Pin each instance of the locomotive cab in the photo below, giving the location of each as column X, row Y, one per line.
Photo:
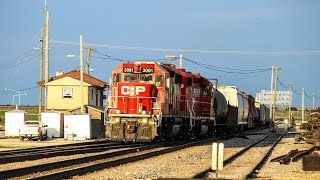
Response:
column 133, row 109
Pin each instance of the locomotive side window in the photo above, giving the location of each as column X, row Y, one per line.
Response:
column 130, row 77
column 205, row 90
column 159, row 80
column 116, row 77
column 146, row 77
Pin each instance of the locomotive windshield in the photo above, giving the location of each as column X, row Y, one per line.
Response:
column 146, row 77
column 130, row 77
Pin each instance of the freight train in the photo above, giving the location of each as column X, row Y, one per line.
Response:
column 152, row 101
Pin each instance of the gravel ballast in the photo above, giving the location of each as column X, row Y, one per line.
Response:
column 190, row 161
column 181, row 164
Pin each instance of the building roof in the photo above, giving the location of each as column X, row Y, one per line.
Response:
column 75, row 74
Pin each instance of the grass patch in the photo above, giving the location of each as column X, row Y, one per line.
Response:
column 2, row 117
column 32, row 114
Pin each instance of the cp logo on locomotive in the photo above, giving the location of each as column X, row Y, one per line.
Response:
column 132, row 90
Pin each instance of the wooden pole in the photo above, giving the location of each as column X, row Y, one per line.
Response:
column 41, row 69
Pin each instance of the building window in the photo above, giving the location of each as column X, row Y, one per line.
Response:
column 92, row 94
column 66, row 92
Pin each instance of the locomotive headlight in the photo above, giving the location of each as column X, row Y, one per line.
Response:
column 117, row 120
column 144, row 120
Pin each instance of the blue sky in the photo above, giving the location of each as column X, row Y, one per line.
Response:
column 263, row 34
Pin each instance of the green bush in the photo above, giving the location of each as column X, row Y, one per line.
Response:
column 2, row 117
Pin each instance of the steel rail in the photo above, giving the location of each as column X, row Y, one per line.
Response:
column 16, row 151
column 61, row 152
column 59, row 164
column 90, row 168
column 263, row 160
column 204, row 173
column 78, row 171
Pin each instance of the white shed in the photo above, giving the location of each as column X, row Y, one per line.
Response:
column 79, row 125
column 13, row 121
column 54, row 121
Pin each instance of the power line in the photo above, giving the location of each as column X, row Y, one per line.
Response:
column 239, row 52
column 11, row 65
column 147, row 60
column 12, row 60
column 208, row 66
column 283, row 85
column 296, row 92
column 306, row 94
column 25, row 89
column 234, row 69
column 107, row 56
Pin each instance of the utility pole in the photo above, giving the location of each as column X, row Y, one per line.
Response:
column 81, row 72
column 180, row 61
column 41, row 69
column 275, row 81
column 302, row 108
column 88, row 60
column 271, row 97
column 171, row 58
column 290, row 101
column 313, row 100
column 47, row 56
column 47, row 47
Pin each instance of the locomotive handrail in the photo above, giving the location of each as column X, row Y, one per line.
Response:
column 112, row 99
column 142, row 97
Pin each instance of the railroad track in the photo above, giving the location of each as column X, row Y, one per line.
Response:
column 242, row 164
column 72, row 167
column 48, row 147
column 26, row 154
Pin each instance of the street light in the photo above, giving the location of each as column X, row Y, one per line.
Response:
column 19, row 94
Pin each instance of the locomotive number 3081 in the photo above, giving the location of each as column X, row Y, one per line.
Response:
column 147, row 70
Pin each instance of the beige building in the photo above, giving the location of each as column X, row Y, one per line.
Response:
column 63, row 92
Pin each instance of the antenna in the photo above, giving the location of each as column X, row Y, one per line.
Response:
column 171, row 58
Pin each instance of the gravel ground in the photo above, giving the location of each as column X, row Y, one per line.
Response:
column 242, row 165
column 44, row 161
column 181, row 164
column 293, row 170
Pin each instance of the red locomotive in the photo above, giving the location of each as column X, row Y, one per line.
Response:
column 151, row 100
